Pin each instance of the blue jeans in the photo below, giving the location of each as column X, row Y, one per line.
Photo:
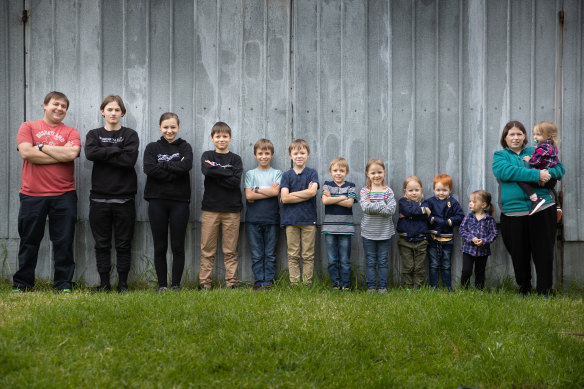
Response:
column 377, row 262
column 439, row 256
column 32, row 216
column 263, row 241
column 338, row 249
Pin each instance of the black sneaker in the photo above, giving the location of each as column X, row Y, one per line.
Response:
column 162, row 289
column 203, row 288
column 175, row 288
column 536, row 205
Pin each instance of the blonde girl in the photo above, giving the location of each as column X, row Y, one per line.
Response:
column 544, row 156
column 478, row 230
column 412, row 228
column 378, row 204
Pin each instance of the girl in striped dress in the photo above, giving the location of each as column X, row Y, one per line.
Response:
column 378, row 204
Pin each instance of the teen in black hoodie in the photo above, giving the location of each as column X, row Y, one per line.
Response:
column 114, row 151
column 167, row 163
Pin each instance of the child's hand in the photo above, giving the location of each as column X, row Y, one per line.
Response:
column 477, row 241
column 275, row 185
column 400, row 216
column 209, row 162
column 326, row 193
column 312, row 183
column 427, row 211
column 526, row 158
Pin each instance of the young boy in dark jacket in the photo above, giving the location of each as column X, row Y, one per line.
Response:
column 445, row 213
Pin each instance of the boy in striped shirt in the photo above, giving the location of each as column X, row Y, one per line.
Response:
column 338, row 197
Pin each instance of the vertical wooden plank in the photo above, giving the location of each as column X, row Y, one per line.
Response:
column 229, row 88
column 277, row 104
column 473, row 146
column 546, row 32
column 497, row 98
column 253, row 104
column 136, row 82
column 573, row 122
column 428, row 157
column 306, row 75
column 12, row 110
column 332, row 99
column 39, row 57
column 374, row 138
column 355, row 100
column 181, row 101
column 520, row 62
column 402, row 89
column 89, row 85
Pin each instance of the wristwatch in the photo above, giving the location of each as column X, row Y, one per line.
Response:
column 256, row 189
column 40, row 146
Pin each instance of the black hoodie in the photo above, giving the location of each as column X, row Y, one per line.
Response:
column 167, row 166
column 114, row 154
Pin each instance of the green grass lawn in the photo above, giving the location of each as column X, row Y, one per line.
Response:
column 290, row 337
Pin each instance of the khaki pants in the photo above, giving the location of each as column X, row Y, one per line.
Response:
column 295, row 236
column 210, row 222
column 413, row 256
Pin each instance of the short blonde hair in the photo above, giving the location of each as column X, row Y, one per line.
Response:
column 549, row 130
column 342, row 162
column 414, row 179
column 298, row 144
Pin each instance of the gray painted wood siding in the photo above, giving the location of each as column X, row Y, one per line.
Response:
column 426, row 86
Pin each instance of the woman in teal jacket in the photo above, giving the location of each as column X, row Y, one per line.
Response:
column 524, row 236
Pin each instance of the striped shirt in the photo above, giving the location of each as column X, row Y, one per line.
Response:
column 338, row 220
column 377, row 223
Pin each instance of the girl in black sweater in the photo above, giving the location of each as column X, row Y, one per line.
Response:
column 167, row 163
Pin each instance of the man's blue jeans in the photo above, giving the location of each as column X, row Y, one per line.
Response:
column 439, row 256
column 377, row 262
column 338, row 249
column 263, row 242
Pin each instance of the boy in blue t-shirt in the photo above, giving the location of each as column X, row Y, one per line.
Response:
column 298, row 190
column 262, row 218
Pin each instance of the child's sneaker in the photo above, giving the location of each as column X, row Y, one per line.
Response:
column 559, row 214
column 382, row 290
column 536, row 205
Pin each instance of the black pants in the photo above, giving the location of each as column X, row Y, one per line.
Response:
column 529, row 188
column 163, row 213
column 527, row 237
column 32, row 216
column 480, row 264
column 108, row 218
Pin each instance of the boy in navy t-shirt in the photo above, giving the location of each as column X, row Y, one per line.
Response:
column 298, row 190
column 262, row 218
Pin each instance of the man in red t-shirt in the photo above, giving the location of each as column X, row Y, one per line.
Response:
column 48, row 149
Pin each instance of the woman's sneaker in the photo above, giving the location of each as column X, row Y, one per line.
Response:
column 536, row 205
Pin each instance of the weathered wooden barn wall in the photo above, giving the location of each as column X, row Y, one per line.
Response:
column 425, row 85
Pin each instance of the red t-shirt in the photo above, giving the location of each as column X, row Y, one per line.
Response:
column 47, row 180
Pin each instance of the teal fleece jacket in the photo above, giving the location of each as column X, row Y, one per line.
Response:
column 509, row 168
